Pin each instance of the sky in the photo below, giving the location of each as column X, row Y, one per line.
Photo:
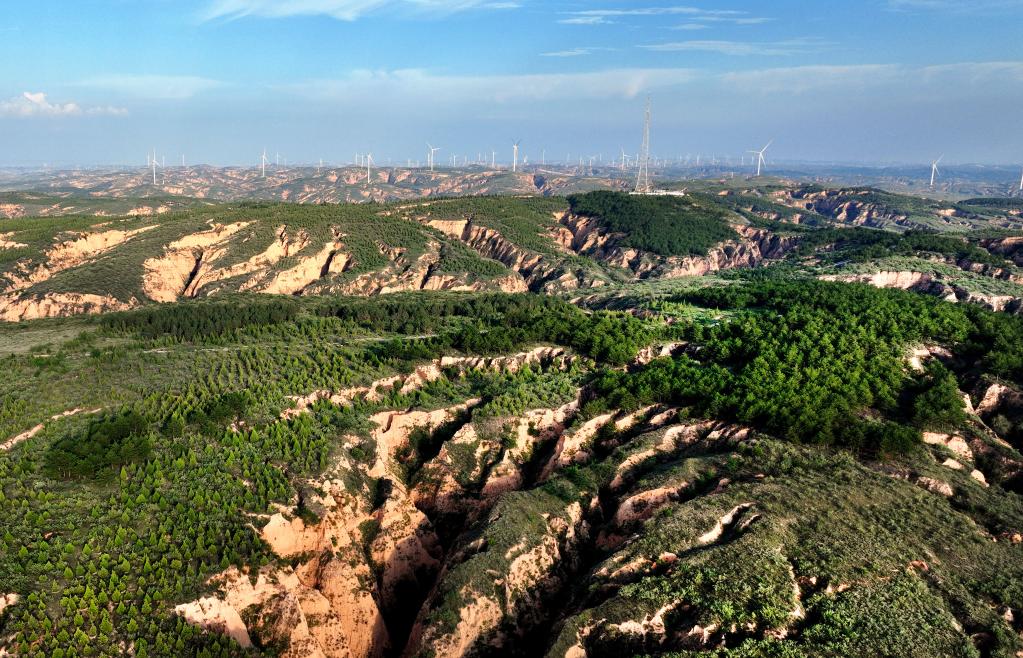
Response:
column 90, row 82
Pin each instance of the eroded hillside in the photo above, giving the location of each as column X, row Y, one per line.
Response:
column 58, row 267
column 750, row 469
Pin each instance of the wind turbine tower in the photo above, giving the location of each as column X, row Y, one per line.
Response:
column 1021, row 183
column 643, row 172
column 369, row 170
column 934, row 170
column 263, row 161
column 515, row 157
column 433, row 150
column 760, row 156
column 155, row 165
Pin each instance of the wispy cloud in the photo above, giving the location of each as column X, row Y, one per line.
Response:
column 35, row 104
column 425, row 88
column 421, row 88
column 575, row 52
column 957, row 6
column 345, row 10
column 156, row 87
column 742, row 48
column 692, row 14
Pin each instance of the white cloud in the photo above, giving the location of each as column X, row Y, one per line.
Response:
column 421, row 87
column 158, row 87
column 739, row 48
column 692, row 14
column 571, row 52
column 35, row 104
column 345, row 10
column 575, row 52
column 424, row 89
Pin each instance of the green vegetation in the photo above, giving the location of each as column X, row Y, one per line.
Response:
column 108, row 442
column 861, row 244
column 160, row 446
column 814, row 362
column 665, row 225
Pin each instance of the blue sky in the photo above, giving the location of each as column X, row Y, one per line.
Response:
column 103, row 81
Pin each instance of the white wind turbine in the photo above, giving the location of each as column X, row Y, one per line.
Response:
column 760, row 156
column 369, row 168
column 1021, row 182
column 515, row 156
column 934, row 170
column 155, row 165
column 263, row 162
column 433, row 150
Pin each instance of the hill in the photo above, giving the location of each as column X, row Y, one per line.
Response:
column 512, row 426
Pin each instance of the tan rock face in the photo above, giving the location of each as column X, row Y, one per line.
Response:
column 7, row 243
column 67, row 254
column 883, row 279
column 956, row 444
column 58, row 305
column 168, row 277
column 752, row 247
column 12, row 210
column 284, row 244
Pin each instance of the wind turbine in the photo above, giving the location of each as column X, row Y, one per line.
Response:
column 493, row 159
column 155, row 165
column 433, row 150
column 515, row 157
column 934, row 169
column 369, row 170
column 1021, row 183
column 760, row 156
column 263, row 162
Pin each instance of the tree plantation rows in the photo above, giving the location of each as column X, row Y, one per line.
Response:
column 110, row 519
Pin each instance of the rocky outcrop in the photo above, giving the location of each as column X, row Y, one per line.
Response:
column 846, row 206
column 168, row 277
column 284, row 244
column 1011, row 248
column 543, row 357
column 539, row 272
column 59, row 305
column 536, row 568
column 66, row 254
column 926, row 283
column 12, row 210
column 7, row 243
column 753, row 247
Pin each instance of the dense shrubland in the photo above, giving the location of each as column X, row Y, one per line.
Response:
column 823, row 363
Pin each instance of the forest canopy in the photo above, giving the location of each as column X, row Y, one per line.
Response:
column 665, row 225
